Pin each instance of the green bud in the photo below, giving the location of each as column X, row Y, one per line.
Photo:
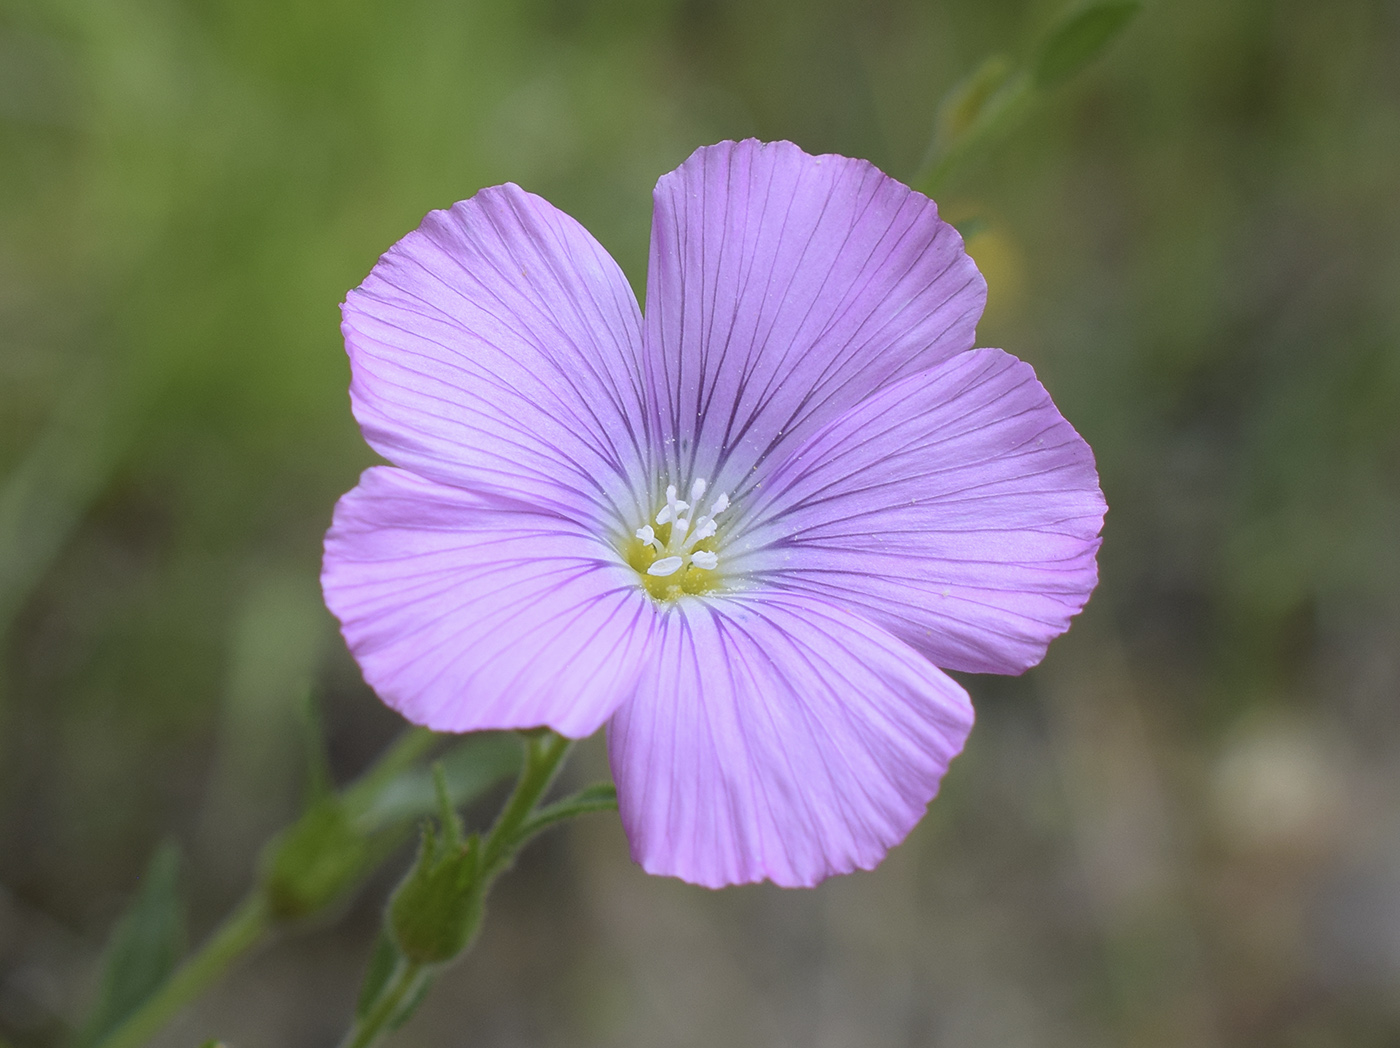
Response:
column 314, row 862
column 436, row 910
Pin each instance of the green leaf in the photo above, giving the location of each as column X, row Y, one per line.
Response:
column 966, row 103
column 971, row 227
column 318, row 760
column 1079, row 38
column 410, row 1004
column 381, row 968
column 468, row 771
column 144, row 948
column 600, row 796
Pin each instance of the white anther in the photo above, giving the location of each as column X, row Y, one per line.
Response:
column 665, row 566
column 671, row 511
column 687, row 527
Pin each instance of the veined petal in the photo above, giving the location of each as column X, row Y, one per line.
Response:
column 465, row 614
column 783, row 288
column 781, row 739
column 497, row 347
column 957, row 508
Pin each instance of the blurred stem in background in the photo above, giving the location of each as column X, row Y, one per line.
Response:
column 318, row 862
column 140, row 990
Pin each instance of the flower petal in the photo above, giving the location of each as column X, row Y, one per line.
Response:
column 780, row 739
column 957, row 509
column 466, row 615
column 783, row 288
column 497, row 347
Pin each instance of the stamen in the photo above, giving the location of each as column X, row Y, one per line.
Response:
column 665, row 566
column 703, row 530
column 671, row 512
column 668, row 550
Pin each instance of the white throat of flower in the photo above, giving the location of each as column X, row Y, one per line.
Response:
column 676, row 553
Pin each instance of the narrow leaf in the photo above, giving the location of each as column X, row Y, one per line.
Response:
column 144, row 947
column 318, row 761
column 381, row 967
column 601, row 796
column 1079, row 38
column 470, row 770
column 966, row 102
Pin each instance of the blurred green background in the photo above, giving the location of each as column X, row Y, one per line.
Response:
column 1182, row 829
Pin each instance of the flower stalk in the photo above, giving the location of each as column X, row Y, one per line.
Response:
column 435, row 912
column 248, row 926
column 254, row 920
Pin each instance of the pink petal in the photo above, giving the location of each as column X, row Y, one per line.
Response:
column 783, row 288
column 779, row 738
column 466, row 615
column 497, row 348
column 957, row 509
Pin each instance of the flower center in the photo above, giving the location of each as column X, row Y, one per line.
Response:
column 676, row 553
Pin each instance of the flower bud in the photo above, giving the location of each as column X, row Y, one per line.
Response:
column 435, row 911
column 313, row 863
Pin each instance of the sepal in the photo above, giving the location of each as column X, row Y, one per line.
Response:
column 436, row 909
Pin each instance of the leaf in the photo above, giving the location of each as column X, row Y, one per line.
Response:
column 601, row 796
column 470, row 770
column 144, row 947
column 381, row 967
column 966, row 102
column 318, row 760
column 971, row 227
column 1079, row 38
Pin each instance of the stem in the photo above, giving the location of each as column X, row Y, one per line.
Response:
column 543, row 755
column 246, row 927
column 250, row 924
column 406, row 983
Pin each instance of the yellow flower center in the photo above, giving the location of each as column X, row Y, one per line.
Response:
column 677, row 553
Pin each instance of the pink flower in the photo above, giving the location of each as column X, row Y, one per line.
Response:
column 742, row 532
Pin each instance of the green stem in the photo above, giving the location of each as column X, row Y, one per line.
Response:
column 250, row 924
column 404, row 985
column 543, row 755
column 246, row 927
